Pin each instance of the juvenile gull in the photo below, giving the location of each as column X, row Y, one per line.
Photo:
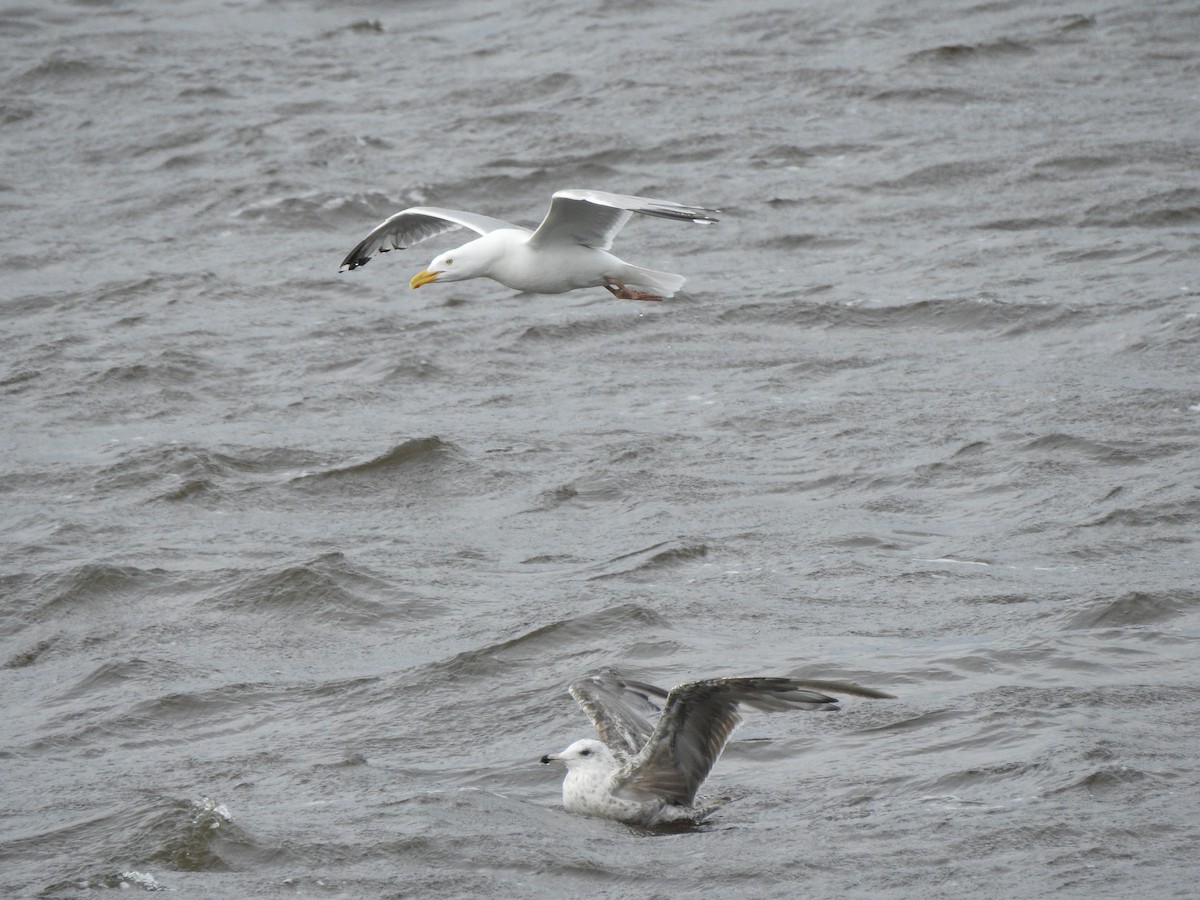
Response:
column 646, row 774
column 568, row 250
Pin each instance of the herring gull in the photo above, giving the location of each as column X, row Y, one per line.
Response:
column 648, row 774
column 569, row 250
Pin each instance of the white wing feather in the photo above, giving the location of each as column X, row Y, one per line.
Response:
column 414, row 225
column 593, row 218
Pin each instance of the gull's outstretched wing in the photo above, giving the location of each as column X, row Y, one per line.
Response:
column 593, row 218
column 619, row 707
column 418, row 223
column 697, row 721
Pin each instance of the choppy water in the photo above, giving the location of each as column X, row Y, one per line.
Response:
column 296, row 566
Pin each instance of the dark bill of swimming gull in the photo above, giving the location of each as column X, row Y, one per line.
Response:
column 645, row 773
column 569, row 250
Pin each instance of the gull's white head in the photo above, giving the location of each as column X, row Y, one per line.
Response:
column 468, row 261
column 583, row 754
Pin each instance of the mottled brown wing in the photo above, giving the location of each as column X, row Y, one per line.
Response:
column 697, row 722
column 618, row 708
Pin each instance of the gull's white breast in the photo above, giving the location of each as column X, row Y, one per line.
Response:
column 550, row 269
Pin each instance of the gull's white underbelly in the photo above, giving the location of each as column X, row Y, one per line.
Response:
column 553, row 270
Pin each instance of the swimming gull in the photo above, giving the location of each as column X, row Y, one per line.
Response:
column 646, row 774
column 569, row 250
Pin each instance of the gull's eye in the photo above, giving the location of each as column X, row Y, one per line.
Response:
column 585, row 752
column 449, row 262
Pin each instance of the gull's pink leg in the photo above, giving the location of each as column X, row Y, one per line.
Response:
column 621, row 292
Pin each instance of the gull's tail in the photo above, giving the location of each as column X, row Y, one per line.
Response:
column 685, row 816
column 663, row 284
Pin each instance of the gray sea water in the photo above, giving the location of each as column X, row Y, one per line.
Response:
column 296, row 566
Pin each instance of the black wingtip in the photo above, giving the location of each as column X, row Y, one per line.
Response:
column 696, row 215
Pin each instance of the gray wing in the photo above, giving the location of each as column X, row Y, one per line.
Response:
column 593, row 218
column 697, row 721
column 619, row 707
column 416, row 224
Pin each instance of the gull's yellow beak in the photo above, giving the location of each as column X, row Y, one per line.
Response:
column 423, row 277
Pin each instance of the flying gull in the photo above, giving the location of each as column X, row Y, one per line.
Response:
column 569, row 250
column 648, row 774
